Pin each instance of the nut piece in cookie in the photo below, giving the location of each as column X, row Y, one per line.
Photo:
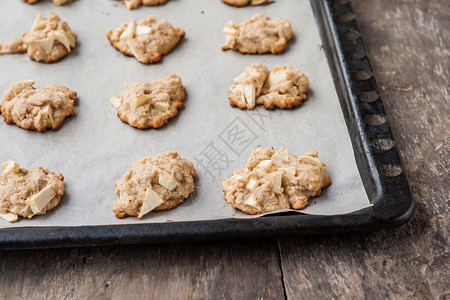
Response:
column 276, row 179
column 156, row 183
column 260, row 34
column 27, row 193
column 284, row 87
column 244, row 2
column 147, row 40
column 38, row 108
column 56, row 2
column 150, row 104
column 49, row 40
column 132, row 4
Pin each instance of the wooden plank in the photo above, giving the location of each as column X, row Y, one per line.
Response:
column 209, row 270
column 408, row 43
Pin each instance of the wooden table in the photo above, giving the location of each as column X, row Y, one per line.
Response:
column 408, row 42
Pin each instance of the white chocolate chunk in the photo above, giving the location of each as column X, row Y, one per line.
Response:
column 129, row 32
column 115, row 101
column 162, row 105
column 276, row 182
column 282, row 154
column 251, row 201
column 228, row 29
column 143, row 30
column 236, row 176
column 61, row 36
column 28, row 82
column 138, row 100
column 264, row 163
column 10, row 166
column 47, row 110
column 152, row 201
column 249, row 94
column 167, row 181
column 10, row 217
column 36, row 21
column 310, row 160
column 41, row 199
column 289, row 171
column 276, row 77
column 44, row 44
column 250, row 184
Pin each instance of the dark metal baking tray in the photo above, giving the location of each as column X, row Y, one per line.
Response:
column 377, row 159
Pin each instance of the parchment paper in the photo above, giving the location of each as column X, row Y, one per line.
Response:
column 94, row 148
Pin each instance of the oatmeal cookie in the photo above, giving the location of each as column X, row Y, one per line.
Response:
column 147, row 40
column 284, row 87
column 132, row 4
column 49, row 40
column 156, row 183
column 27, row 193
column 244, row 2
column 150, row 104
column 276, row 179
column 260, row 34
column 56, row 2
column 38, row 108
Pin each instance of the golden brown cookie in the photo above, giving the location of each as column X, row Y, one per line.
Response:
column 260, row 34
column 276, row 179
column 158, row 182
column 27, row 193
column 147, row 40
column 150, row 104
column 56, row 2
column 49, row 40
column 284, row 87
column 244, row 2
column 38, row 108
column 132, row 4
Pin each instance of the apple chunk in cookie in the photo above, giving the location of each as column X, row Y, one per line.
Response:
column 38, row 108
column 26, row 193
column 156, row 183
column 276, row 179
column 146, row 40
column 260, row 34
column 49, row 40
column 150, row 104
column 283, row 87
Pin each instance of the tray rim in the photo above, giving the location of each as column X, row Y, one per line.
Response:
column 392, row 202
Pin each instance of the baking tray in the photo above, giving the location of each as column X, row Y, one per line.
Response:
column 377, row 159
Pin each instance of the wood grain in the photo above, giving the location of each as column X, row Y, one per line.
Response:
column 408, row 43
column 213, row 270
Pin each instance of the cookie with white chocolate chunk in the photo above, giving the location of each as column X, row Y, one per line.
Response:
column 146, row 40
column 244, row 2
column 38, row 108
column 26, row 193
column 156, row 183
column 283, row 87
column 132, row 4
column 49, row 40
column 150, row 104
column 260, row 34
column 276, row 179
column 56, row 2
